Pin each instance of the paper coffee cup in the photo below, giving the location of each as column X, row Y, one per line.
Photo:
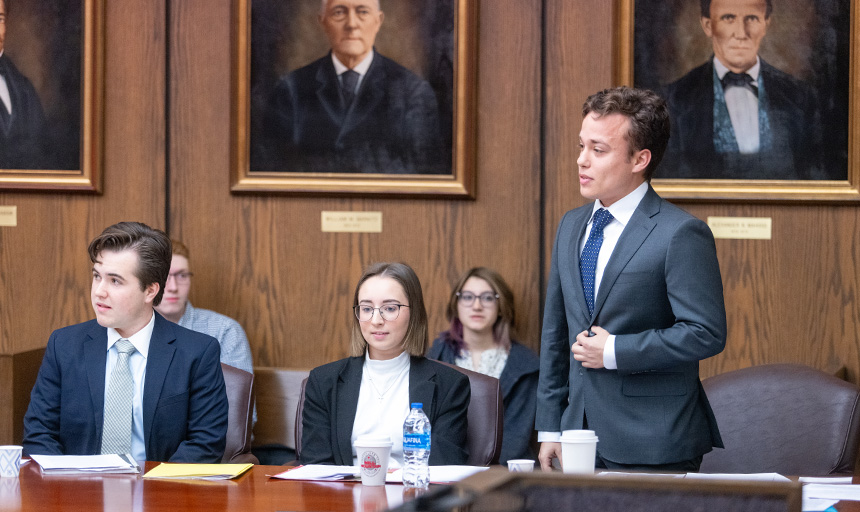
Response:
column 521, row 465
column 578, row 450
column 373, row 453
column 10, row 461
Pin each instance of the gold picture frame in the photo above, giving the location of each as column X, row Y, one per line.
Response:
column 814, row 190
column 82, row 164
column 458, row 183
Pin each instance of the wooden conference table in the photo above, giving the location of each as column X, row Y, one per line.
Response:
column 252, row 491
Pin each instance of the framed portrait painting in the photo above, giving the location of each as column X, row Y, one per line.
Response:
column 762, row 95
column 51, row 94
column 354, row 97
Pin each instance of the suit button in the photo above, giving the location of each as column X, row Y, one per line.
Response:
column 580, row 371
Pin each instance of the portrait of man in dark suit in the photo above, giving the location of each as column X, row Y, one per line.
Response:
column 22, row 120
column 752, row 98
column 353, row 110
column 41, row 48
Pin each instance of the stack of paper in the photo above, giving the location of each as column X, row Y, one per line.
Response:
column 68, row 464
column 198, row 471
column 320, row 472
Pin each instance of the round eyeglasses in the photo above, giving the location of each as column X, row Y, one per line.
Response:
column 181, row 277
column 487, row 299
column 388, row 312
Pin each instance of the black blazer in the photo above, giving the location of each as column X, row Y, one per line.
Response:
column 518, row 381
column 392, row 125
column 331, row 400
column 184, row 398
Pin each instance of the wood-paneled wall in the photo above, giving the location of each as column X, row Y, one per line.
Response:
column 44, row 268
column 263, row 259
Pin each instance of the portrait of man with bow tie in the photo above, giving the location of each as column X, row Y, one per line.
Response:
column 753, row 111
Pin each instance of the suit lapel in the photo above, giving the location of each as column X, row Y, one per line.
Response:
column 573, row 249
column 346, row 404
column 422, row 385
column 95, row 355
column 161, row 351
column 637, row 230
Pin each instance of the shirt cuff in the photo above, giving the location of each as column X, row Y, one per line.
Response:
column 549, row 437
column 609, row 361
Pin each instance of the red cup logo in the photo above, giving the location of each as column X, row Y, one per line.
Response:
column 370, row 463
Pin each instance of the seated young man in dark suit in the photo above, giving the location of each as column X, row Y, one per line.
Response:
column 129, row 381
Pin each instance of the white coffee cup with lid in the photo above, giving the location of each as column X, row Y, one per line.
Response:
column 373, row 453
column 578, row 451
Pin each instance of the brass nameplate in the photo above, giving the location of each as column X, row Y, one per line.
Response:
column 741, row 228
column 9, row 216
column 352, row 222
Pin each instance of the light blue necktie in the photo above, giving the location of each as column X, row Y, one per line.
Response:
column 116, row 431
column 588, row 260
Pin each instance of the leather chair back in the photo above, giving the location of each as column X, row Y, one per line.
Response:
column 240, row 397
column 785, row 418
column 278, row 392
column 485, row 419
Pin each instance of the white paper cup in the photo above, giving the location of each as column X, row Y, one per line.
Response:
column 521, row 465
column 10, row 461
column 373, row 453
column 578, row 450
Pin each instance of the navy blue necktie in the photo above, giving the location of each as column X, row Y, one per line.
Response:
column 588, row 260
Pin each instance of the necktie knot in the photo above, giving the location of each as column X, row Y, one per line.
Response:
column 124, row 347
column 732, row 79
column 602, row 217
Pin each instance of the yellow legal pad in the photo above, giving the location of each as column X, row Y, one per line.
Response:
column 198, row 471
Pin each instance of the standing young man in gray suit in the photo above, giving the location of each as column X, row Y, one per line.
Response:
column 620, row 355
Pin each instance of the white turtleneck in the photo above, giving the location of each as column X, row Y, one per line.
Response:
column 383, row 403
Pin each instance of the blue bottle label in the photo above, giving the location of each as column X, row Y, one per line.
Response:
column 416, row 441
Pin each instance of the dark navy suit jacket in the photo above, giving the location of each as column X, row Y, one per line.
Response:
column 392, row 125
column 661, row 295
column 184, row 399
column 331, row 402
column 22, row 143
column 794, row 121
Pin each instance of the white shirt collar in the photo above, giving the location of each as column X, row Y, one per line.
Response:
column 361, row 68
column 140, row 339
column 721, row 69
column 623, row 209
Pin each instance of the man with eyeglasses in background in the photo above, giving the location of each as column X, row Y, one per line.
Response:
column 175, row 306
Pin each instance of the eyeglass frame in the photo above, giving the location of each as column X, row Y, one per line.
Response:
column 479, row 298
column 355, row 310
column 179, row 279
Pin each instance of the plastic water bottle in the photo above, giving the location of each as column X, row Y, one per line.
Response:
column 416, row 448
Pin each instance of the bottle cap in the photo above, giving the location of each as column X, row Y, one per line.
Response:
column 417, row 405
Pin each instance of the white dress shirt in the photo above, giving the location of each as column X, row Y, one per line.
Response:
column 4, row 92
column 137, row 364
column 742, row 104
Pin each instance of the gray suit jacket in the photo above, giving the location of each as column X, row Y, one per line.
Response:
column 662, row 296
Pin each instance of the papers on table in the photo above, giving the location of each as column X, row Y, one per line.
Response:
column 68, row 464
column 319, row 472
column 326, row 473
column 197, row 471
column 749, row 477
